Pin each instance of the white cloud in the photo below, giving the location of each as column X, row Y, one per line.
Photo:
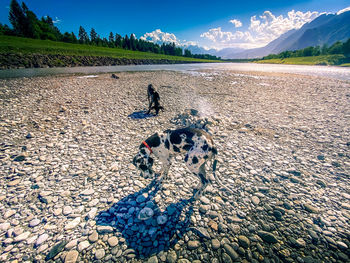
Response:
column 236, row 22
column 157, row 36
column 262, row 29
column 343, row 10
column 57, row 20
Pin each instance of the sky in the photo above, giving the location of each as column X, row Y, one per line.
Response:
column 211, row 24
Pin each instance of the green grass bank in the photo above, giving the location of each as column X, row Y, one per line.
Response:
column 18, row 52
column 339, row 60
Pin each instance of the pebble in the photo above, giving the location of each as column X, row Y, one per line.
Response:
column 74, row 181
column 71, row 256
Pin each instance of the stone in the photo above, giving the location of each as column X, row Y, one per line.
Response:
column 152, row 259
column 83, row 245
column 55, row 250
column 113, row 241
column 243, row 241
column 231, row 252
column 34, row 222
column 193, row 244
column 311, row 208
column 171, row 257
column 100, row 253
column 41, row 239
column 72, row 224
column 215, row 244
column 22, row 236
column 71, row 256
column 268, row 237
column 93, row 237
column 145, row 214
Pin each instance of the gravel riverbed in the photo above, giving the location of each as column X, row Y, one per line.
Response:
column 69, row 192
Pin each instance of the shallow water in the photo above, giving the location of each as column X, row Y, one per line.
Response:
column 323, row 71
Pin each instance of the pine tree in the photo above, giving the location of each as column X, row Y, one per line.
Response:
column 83, row 36
column 93, row 36
column 17, row 18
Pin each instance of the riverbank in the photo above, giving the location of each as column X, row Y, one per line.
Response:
column 13, row 61
column 18, row 52
column 70, row 192
column 326, row 60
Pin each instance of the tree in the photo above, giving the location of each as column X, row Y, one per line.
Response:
column 83, row 36
column 17, row 18
column 111, row 40
column 93, row 36
column 126, row 42
column 188, row 53
column 118, row 40
column 346, row 48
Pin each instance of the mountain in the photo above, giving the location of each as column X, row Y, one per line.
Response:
column 199, row 50
column 325, row 29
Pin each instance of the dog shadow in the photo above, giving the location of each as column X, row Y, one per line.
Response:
column 149, row 234
column 140, row 115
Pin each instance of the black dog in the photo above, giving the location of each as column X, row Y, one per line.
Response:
column 153, row 100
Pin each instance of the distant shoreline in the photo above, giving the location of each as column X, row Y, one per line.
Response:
column 19, row 60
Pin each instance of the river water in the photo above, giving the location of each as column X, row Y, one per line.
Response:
column 323, row 71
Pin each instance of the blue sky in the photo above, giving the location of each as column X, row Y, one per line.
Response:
column 218, row 24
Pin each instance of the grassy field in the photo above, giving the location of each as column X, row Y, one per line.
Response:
column 9, row 44
column 316, row 60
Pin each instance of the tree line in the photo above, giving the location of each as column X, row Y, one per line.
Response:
column 337, row 48
column 26, row 24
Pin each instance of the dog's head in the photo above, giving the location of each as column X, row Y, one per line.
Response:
column 144, row 163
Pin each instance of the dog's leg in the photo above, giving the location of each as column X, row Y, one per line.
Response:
column 203, row 181
column 164, row 171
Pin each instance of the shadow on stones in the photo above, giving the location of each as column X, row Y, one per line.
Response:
column 140, row 115
column 155, row 234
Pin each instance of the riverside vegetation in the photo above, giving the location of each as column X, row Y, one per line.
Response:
column 69, row 192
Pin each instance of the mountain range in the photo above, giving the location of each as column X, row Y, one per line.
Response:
column 325, row 29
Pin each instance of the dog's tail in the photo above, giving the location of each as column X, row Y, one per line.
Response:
column 217, row 178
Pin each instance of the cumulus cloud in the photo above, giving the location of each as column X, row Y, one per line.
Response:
column 57, row 20
column 262, row 29
column 159, row 37
column 343, row 10
column 236, row 22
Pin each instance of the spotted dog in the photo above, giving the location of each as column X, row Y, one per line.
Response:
column 153, row 99
column 195, row 145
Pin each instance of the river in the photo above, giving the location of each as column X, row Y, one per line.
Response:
column 323, row 71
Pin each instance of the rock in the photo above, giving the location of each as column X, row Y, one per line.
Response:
column 55, row 250
column 193, row 244
column 100, row 253
column 311, row 208
column 105, row 229
column 243, row 241
column 300, row 242
column 22, row 236
column 34, row 222
column 212, row 224
column 341, row 245
column 83, row 245
column 255, row 200
column 226, row 258
column 72, row 224
column 205, row 200
column 113, row 241
column 162, row 219
column 145, row 213
column 152, row 259
column 41, row 239
column 71, row 256
column 215, row 244
column 267, row 237
column 171, row 257
column 93, row 237
column 231, row 252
